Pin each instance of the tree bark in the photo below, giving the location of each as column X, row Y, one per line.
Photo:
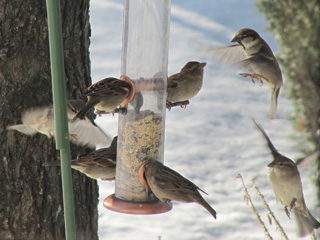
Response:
column 30, row 194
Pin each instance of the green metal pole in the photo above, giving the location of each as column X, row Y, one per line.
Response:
column 60, row 112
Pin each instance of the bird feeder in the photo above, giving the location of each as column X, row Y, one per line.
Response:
column 141, row 129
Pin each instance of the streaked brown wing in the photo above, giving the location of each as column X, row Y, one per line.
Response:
column 171, row 180
column 108, row 86
column 174, row 80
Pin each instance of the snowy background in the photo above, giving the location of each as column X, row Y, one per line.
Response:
column 212, row 140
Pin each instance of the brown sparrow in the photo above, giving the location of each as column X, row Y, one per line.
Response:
column 186, row 84
column 166, row 184
column 41, row 120
column 253, row 55
column 100, row 164
column 107, row 94
column 287, row 186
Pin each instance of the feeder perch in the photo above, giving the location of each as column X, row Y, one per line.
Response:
column 141, row 130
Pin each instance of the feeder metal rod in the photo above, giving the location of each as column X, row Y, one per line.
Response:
column 60, row 112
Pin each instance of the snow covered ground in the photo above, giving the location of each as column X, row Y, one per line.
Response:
column 212, row 140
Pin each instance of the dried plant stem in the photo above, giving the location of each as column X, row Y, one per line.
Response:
column 248, row 199
column 270, row 213
column 313, row 236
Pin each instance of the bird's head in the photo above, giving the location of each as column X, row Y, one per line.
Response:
column 193, row 67
column 245, row 37
column 283, row 165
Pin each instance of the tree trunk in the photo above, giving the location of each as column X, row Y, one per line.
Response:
column 30, row 194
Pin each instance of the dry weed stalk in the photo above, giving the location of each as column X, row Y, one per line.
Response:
column 270, row 213
column 248, row 200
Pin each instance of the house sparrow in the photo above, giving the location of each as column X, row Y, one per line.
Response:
column 166, row 184
column 186, row 84
column 107, row 94
column 253, row 54
column 41, row 120
column 100, row 164
column 287, row 186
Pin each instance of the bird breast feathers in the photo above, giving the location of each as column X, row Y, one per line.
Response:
column 251, row 46
column 286, row 188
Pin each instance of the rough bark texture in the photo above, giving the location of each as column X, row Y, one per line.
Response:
column 297, row 26
column 30, row 194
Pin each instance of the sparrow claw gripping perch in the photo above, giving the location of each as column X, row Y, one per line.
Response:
column 169, row 105
column 182, row 104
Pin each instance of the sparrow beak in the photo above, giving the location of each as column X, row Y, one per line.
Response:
column 271, row 165
column 203, row 64
column 236, row 39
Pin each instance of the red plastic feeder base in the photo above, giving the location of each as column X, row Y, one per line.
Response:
column 138, row 208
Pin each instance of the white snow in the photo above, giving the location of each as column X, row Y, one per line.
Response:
column 213, row 139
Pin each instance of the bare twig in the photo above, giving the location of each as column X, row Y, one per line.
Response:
column 248, row 199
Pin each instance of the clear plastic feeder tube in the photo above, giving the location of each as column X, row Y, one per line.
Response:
column 145, row 62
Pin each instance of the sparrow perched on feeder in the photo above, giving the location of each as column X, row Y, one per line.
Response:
column 166, row 184
column 107, row 94
column 186, row 84
column 41, row 119
column 286, row 183
column 100, row 164
column 252, row 54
